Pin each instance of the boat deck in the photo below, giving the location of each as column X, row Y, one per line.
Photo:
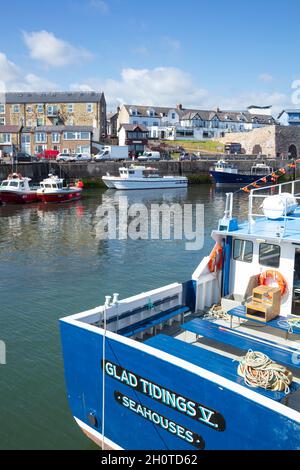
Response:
column 222, row 358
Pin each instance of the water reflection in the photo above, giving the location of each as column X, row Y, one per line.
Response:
column 53, row 265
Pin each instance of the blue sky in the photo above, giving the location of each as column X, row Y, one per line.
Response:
column 225, row 53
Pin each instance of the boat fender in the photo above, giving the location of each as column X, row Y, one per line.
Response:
column 215, row 258
column 276, row 277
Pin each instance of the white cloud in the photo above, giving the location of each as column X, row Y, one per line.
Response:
column 52, row 51
column 163, row 86
column 277, row 100
column 265, row 77
column 100, row 5
column 13, row 79
column 171, row 43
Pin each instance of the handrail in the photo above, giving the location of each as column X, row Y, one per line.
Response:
column 275, row 187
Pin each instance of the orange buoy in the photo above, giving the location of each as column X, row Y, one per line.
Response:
column 272, row 276
column 215, row 258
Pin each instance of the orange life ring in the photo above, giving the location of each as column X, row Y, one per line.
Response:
column 276, row 276
column 215, row 258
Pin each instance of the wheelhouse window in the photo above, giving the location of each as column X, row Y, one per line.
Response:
column 243, row 250
column 269, row 255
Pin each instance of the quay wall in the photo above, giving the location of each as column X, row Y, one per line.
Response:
column 94, row 171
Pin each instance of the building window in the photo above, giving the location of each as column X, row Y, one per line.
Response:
column 40, row 122
column 269, row 255
column 2, row 121
column 29, row 109
column 135, row 123
column 243, row 250
column 173, row 115
column 40, row 137
column 55, row 138
column 70, row 108
column 89, row 107
column 52, row 110
column 16, row 108
column 76, row 135
column 155, row 123
column 40, row 148
column 84, row 149
column 40, row 108
column 2, row 108
column 5, row 138
column 145, row 123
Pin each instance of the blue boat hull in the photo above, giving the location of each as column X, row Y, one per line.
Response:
column 204, row 410
column 223, row 178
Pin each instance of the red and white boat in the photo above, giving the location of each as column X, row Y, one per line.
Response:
column 16, row 190
column 52, row 190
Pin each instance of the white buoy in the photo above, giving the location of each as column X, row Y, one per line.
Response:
column 279, row 205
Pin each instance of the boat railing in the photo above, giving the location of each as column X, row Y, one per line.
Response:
column 277, row 189
column 291, row 187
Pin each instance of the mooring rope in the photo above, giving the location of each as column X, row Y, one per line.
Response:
column 258, row 370
column 290, row 324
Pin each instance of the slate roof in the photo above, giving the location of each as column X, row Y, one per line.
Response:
column 53, row 97
column 133, row 127
column 10, row 129
column 63, row 129
column 205, row 115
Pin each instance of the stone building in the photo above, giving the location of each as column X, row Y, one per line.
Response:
column 272, row 141
column 59, row 114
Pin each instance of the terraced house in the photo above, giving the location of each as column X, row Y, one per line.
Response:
column 193, row 124
column 63, row 121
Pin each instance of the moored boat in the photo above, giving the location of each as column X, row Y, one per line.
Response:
column 141, row 177
column 183, row 366
column 52, row 190
column 15, row 189
column 224, row 173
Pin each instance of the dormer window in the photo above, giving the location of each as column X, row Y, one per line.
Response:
column 150, row 112
column 133, row 111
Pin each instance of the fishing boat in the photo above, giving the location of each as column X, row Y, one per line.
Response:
column 211, row 363
column 141, row 177
column 225, row 173
column 52, row 190
column 15, row 189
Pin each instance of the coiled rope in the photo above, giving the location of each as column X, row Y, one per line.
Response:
column 258, row 370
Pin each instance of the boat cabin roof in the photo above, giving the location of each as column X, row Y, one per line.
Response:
column 257, row 225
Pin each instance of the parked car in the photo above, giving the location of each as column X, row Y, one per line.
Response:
column 188, row 157
column 64, row 157
column 80, row 157
column 23, row 157
column 149, row 156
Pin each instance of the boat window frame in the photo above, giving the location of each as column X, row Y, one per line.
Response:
column 278, row 257
column 14, row 184
column 242, row 259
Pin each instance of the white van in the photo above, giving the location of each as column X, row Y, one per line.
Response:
column 149, row 156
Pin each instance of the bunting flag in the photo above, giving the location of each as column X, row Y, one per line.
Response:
column 274, row 176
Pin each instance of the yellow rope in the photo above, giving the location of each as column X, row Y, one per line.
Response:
column 258, row 370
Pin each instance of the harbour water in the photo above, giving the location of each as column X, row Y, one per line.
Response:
column 52, row 264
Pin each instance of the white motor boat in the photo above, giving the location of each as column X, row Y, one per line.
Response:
column 141, row 177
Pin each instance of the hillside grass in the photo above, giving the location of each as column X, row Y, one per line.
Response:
column 211, row 146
